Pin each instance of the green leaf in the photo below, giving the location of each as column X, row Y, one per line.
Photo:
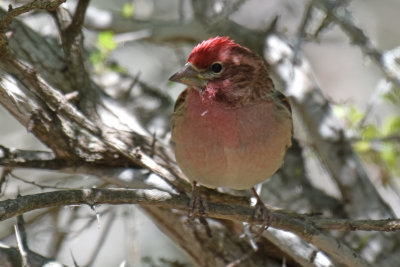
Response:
column 392, row 96
column 390, row 155
column 127, row 10
column 106, row 41
column 362, row 146
column 391, row 125
column 96, row 58
column 118, row 68
column 369, row 132
column 355, row 115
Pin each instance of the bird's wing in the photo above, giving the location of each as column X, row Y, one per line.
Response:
column 181, row 99
column 178, row 110
column 284, row 100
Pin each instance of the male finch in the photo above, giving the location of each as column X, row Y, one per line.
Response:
column 231, row 128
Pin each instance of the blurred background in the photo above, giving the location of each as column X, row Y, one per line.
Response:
column 124, row 236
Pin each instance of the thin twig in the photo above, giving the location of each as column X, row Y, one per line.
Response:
column 302, row 31
column 41, row 186
column 22, row 243
column 22, row 232
column 3, row 177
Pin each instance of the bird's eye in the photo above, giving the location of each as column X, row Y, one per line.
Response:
column 216, row 67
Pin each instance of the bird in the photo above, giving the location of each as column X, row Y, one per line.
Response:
column 230, row 128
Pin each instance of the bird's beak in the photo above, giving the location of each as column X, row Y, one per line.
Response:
column 191, row 76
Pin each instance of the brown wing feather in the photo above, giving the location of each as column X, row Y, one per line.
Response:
column 179, row 105
column 181, row 99
column 284, row 100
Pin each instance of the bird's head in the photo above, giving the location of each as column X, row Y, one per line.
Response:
column 221, row 67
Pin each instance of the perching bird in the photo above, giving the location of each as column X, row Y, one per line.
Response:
column 231, row 127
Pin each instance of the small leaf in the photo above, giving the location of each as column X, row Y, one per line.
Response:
column 355, row 115
column 369, row 132
column 391, row 125
column 390, row 97
column 96, row 58
column 362, row 146
column 118, row 68
column 106, row 41
column 390, row 155
column 127, row 10
column 392, row 94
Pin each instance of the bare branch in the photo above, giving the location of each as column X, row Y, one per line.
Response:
column 10, row 256
column 20, row 235
column 72, row 43
column 218, row 208
column 92, row 197
column 325, row 132
column 328, row 139
column 3, row 176
column 342, row 17
column 37, row 4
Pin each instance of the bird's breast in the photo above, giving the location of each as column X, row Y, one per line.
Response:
column 230, row 147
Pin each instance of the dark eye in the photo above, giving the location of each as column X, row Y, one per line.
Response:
column 216, row 67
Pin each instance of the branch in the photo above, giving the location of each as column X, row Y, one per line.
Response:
column 41, row 159
column 329, row 142
column 218, row 209
column 3, row 176
column 22, row 241
column 325, row 131
column 43, row 54
column 39, row 110
column 72, row 43
column 308, row 228
column 37, row 4
column 10, row 256
column 342, row 17
column 176, row 32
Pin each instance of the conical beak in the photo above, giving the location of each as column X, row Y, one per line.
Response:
column 189, row 75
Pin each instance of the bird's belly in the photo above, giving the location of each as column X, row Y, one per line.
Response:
column 234, row 148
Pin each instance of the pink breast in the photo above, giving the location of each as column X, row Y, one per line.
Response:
column 229, row 147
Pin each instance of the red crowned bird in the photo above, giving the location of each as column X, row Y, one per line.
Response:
column 231, row 127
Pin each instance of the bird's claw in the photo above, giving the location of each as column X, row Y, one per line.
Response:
column 198, row 209
column 262, row 212
column 249, row 235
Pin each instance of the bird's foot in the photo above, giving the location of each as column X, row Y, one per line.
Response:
column 249, row 235
column 262, row 212
column 198, row 209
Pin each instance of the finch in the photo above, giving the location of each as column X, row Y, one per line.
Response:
column 231, row 127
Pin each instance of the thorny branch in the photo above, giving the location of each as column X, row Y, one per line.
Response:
column 218, row 209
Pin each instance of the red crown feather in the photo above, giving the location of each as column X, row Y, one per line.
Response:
column 209, row 51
